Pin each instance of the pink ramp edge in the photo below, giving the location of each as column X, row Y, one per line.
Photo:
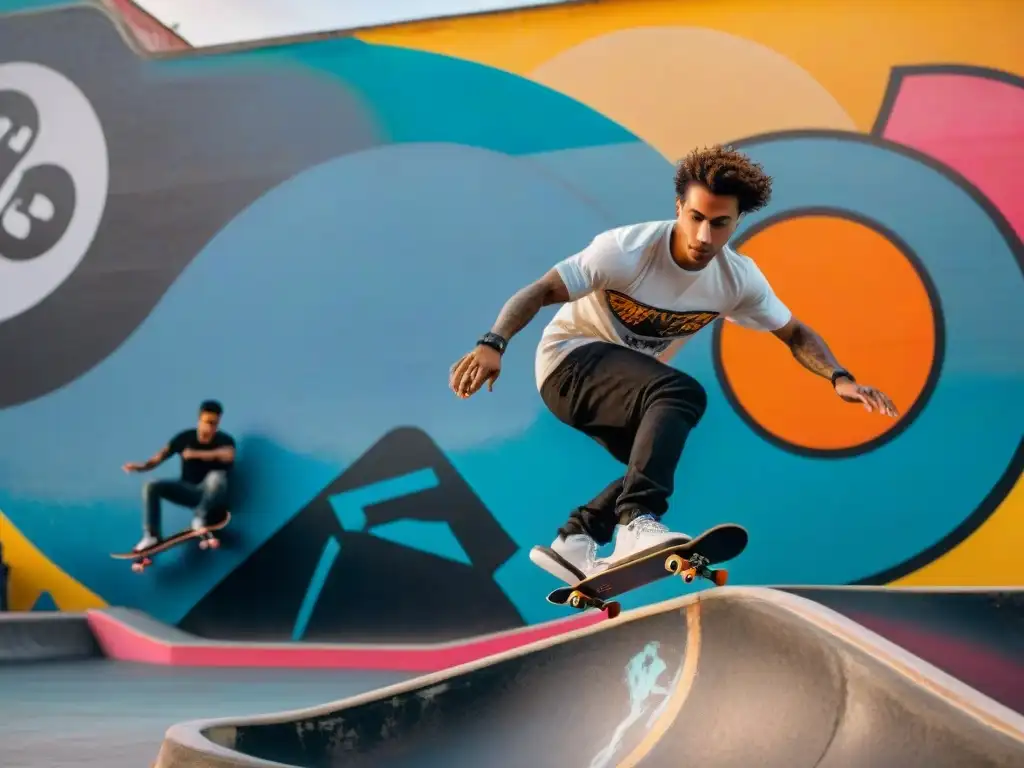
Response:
column 973, row 124
column 123, row 642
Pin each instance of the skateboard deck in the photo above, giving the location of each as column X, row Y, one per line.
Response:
column 689, row 560
column 207, row 540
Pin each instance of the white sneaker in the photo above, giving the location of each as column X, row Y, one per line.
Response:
column 198, row 523
column 146, row 542
column 571, row 559
column 644, row 534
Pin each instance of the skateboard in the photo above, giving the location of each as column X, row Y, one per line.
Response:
column 207, row 540
column 689, row 560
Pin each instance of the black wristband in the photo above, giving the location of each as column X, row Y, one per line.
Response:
column 839, row 373
column 494, row 341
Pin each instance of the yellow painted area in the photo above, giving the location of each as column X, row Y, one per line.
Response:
column 848, row 46
column 990, row 557
column 32, row 573
column 612, row 74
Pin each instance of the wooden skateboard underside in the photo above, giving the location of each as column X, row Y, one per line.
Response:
column 207, row 540
column 689, row 560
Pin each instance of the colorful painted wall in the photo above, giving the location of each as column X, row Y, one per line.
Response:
column 314, row 232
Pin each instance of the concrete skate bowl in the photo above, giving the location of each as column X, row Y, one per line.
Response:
column 731, row 677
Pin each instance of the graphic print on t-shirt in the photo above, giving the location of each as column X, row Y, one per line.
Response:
column 650, row 329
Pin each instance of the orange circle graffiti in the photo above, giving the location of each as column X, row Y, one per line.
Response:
column 858, row 290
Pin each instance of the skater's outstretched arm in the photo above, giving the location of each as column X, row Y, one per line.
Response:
column 600, row 265
column 527, row 302
column 811, row 351
column 482, row 364
column 152, row 462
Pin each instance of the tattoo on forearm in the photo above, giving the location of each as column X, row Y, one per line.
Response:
column 811, row 351
column 519, row 310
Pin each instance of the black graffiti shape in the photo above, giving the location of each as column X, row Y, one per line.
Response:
column 37, row 214
column 376, row 591
column 19, row 127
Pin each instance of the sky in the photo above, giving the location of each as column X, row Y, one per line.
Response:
column 206, row 22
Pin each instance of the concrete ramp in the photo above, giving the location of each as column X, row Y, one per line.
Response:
column 731, row 677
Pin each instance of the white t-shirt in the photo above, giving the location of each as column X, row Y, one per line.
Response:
column 625, row 288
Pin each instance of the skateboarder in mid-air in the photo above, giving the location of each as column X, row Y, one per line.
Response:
column 207, row 456
column 630, row 300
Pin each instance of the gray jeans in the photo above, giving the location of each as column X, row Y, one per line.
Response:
column 209, row 496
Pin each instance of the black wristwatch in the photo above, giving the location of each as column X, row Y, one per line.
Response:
column 841, row 372
column 494, row 341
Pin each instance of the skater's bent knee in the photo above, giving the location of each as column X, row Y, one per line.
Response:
column 683, row 390
column 698, row 397
column 215, row 480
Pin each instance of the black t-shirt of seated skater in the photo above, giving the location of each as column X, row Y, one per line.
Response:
column 195, row 470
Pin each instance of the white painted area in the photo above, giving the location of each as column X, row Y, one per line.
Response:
column 204, row 23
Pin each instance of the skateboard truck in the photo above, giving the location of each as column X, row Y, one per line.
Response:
column 207, row 540
column 581, row 602
column 696, row 565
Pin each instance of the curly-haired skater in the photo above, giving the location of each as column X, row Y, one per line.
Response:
column 629, row 300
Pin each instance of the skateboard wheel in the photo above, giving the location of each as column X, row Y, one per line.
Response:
column 720, row 577
column 575, row 599
column 689, row 574
column 674, row 564
column 214, row 543
column 613, row 610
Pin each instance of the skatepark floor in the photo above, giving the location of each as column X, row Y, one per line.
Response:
column 99, row 712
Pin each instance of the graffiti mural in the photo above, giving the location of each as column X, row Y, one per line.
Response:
column 312, row 233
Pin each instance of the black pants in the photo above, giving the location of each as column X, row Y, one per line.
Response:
column 208, row 498
column 641, row 410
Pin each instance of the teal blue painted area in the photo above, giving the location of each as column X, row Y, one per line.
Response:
column 350, row 507
column 421, row 96
column 332, row 548
column 14, row 6
column 351, row 515
column 418, row 96
column 434, row 538
column 626, row 182
column 44, row 602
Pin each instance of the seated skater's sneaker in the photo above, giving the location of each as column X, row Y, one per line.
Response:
column 148, row 540
column 570, row 559
column 198, row 523
column 642, row 535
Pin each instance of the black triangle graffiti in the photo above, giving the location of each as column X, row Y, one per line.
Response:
column 398, row 548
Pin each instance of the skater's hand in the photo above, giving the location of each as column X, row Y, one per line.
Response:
column 188, row 453
column 871, row 398
column 483, row 364
column 133, row 466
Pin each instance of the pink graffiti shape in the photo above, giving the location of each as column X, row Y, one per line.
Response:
column 973, row 123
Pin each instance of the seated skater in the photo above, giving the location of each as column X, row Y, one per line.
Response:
column 207, row 456
column 629, row 301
